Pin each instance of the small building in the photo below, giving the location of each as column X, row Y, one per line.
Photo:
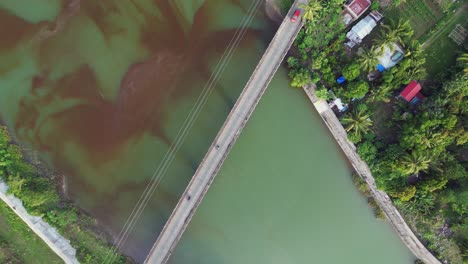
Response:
column 390, row 56
column 362, row 28
column 353, row 9
column 339, row 105
column 411, row 93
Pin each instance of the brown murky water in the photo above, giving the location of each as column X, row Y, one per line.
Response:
column 101, row 89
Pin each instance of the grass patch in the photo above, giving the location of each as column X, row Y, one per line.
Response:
column 422, row 15
column 442, row 51
column 40, row 197
column 19, row 244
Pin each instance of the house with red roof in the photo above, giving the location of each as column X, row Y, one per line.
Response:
column 411, row 93
column 353, row 9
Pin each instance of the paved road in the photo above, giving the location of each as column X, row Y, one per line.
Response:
column 385, row 203
column 225, row 139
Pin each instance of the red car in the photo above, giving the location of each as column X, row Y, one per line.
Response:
column 296, row 15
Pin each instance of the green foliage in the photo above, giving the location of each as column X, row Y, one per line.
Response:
column 357, row 121
column 300, row 77
column 414, row 162
column 18, row 244
column 367, row 151
column 293, row 62
column 355, row 138
column 368, row 59
column 380, row 94
column 62, row 217
column 357, row 89
column 375, row 5
column 311, row 11
column 405, row 194
column 40, row 197
column 397, row 32
column 463, row 60
column 351, row 71
column 322, row 93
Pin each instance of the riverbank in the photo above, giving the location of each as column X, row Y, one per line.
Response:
column 40, row 202
column 361, row 168
column 47, row 233
column 18, row 244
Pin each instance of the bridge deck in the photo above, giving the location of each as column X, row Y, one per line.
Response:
column 226, row 138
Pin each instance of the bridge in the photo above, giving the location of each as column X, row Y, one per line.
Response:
column 227, row 136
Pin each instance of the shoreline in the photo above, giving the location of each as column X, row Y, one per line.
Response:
column 49, row 234
column 85, row 226
column 383, row 200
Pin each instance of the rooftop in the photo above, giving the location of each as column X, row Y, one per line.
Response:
column 411, row 91
column 358, row 7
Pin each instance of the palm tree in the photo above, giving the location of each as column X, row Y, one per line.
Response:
column 463, row 59
column 394, row 33
column 380, row 94
column 358, row 121
column 311, row 10
column 368, row 59
column 414, row 163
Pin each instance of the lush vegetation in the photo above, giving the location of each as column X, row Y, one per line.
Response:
column 441, row 51
column 422, row 14
column 40, row 197
column 417, row 153
column 18, row 244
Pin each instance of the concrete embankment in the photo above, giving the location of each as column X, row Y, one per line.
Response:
column 48, row 234
column 383, row 200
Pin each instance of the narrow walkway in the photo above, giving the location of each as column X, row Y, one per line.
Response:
column 396, row 220
column 226, row 138
column 48, row 234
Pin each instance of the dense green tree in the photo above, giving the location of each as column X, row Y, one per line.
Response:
column 351, row 71
column 357, row 89
column 322, row 93
column 293, row 62
column 367, row 151
column 299, row 77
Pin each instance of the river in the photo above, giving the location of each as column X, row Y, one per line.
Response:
column 101, row 89
column 285, row 195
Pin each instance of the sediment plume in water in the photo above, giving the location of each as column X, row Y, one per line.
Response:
column 93, row 89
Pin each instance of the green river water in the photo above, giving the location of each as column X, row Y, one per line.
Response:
column 100, row 90
column 284, row 195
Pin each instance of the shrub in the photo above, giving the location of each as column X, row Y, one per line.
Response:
column 367, row 151
column 322, row 93
column 354, row 137
column 357, row 89
column 404, row 194
column 299, row 78
column 352, row 71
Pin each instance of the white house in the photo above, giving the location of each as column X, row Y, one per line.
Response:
column 363, row 28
